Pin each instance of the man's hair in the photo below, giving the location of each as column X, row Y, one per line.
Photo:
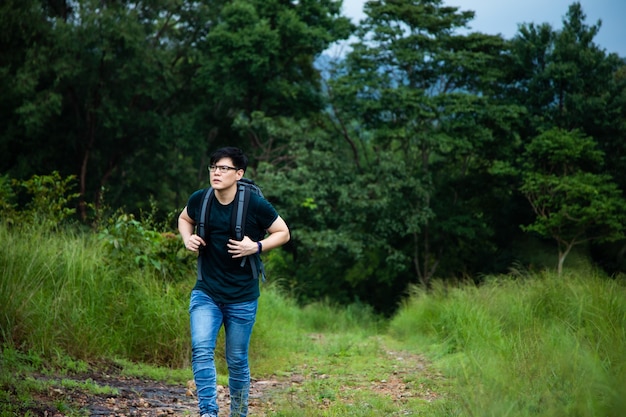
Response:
column 240, row 160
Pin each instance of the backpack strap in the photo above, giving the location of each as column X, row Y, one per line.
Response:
column 240, row 213
column 257, row 266
column 203, row 223
column 238, row 223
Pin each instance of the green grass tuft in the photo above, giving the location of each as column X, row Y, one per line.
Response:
column 548, row 346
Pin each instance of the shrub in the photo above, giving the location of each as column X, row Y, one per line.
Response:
column 148, row 245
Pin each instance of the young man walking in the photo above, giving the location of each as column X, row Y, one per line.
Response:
column 226, row 292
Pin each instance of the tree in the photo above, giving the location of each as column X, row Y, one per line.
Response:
column 573, row 203
column 344, row 220
column 93, row 94
column 130, row 96
column 565, row 80
column 258, row 57
column 416, row 89
column 21, row 26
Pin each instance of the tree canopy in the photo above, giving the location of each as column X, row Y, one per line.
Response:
column 573, row 201
column 412, row 157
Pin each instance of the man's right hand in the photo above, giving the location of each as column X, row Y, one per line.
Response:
column 194, row 243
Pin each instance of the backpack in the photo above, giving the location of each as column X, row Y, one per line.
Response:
column 237, row 222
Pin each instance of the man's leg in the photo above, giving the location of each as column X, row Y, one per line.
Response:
column 205, row 320
column 238, row 321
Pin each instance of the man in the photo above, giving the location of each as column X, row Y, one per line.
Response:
column 226, row 293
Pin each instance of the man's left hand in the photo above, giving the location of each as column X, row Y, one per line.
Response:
column 245, row 247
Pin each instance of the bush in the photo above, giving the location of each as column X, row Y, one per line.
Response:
column 50, row 200
column 124, row 238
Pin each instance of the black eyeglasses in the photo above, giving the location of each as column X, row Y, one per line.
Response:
column 222, row 168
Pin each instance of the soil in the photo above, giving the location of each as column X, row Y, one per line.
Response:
column 145, row 398
column 140, row 398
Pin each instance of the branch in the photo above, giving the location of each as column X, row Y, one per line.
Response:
column 344, row 130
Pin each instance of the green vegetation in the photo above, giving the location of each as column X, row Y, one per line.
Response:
column 520, row 345
column 425, row 151
column 410, row 159
column 573, row 204
column 535, row 346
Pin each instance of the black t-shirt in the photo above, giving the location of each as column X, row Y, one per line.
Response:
column 223, row 278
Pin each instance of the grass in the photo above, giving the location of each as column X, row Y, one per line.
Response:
column 62, row 294
column 545, row 346
column 523, row 345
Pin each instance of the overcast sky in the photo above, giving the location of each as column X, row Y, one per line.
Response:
column 503, row 16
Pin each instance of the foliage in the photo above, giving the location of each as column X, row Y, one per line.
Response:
column 120, row 94
column 342, row 218
column 97, row 96
column 60, row 294
column 8, row 200
column 47, row 206
column 417, row 91
column 51, row 200
column 398, row 166
column 44, row 202
column 259, row 54
column 566, row 81
column 572, row 203
column 146, row 244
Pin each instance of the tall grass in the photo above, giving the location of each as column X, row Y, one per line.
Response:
column 58, row 292
column 62, row 299
column 539, row 346
column 546, row 346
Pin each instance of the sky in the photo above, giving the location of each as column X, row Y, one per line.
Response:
column 504, row 16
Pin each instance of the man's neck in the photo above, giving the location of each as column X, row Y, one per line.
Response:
column 227, row 195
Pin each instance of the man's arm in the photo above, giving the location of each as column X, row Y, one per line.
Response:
column 186, row 228
column 278, row 236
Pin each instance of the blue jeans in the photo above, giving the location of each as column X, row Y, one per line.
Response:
column 206, row 317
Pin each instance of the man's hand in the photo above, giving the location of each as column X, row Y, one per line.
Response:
column 194, row 243
column 242, row 248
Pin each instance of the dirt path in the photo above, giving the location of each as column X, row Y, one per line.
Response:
column 141, row 398
column 144, row 398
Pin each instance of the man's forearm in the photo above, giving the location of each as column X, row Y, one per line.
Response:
column 275, row 240
column 185, row 228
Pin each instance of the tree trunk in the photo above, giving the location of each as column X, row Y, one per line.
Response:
column 562, row 255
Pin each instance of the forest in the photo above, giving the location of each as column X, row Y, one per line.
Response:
column 425, row 151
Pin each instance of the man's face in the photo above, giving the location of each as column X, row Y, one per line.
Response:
column 224, row 175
